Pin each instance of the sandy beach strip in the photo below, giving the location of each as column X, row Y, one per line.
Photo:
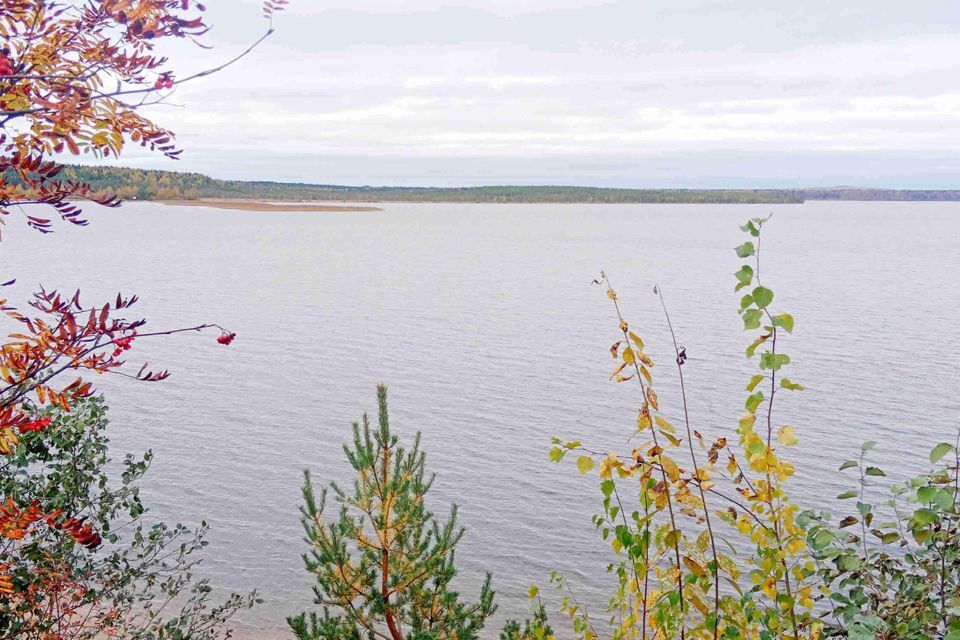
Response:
column 253, row 205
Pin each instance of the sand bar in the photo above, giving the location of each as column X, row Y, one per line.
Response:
column 253, row 205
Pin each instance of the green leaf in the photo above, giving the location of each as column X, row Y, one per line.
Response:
column 785, row 383
column 585, row 464
column 944, row 499
column 774, row 361
column 746, row 250
column 847, row 464
column 753, row 346
column 750, row 228
column 874, row 471
column 751, row 318
column 869, row 444
column 745, row 274
column 784, row 320
column 754, row 381
column 923, row 517
column 822, row 538
column 848, row 494
column 745, row 302
column 753, row 402
column 889, row 537
column 939, row 451
column 850, row 563
column 606, row 488
column 926, row 494
column 762, row 297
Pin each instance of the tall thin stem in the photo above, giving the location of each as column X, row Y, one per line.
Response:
column 696, row 467
column 663, row 472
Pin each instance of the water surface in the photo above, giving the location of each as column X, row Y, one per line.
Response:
column 483, row 322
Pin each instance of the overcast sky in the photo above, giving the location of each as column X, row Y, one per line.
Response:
column 679, row 93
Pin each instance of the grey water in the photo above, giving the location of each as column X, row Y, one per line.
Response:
column 483, row 322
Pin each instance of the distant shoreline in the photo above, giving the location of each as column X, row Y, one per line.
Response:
column 252, row 205
column 185, row 188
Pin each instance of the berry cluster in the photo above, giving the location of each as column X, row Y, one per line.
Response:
column 226, row 338
column 35, row 425
column 6, row 64
column 165, row 81
column 123, row 344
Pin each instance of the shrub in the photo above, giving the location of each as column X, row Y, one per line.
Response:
column 893, row 570
column 665, row 502
column 80, row 559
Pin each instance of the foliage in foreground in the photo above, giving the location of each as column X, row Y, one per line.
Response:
column 63, row 580
column 383, row 563
column 669, row 501
column 674, row 504
column 74, row 77
column 892, row 570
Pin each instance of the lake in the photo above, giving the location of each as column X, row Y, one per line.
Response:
column 483, row 322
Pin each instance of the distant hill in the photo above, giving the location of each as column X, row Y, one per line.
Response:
column 172, row 185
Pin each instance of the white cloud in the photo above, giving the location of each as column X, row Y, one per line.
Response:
column 541, row 93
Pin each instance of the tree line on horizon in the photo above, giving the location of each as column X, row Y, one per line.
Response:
column 148, row 184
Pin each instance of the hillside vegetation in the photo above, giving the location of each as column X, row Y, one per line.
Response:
column 171, row 185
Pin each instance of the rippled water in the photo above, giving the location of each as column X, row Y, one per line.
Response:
column 483, row 322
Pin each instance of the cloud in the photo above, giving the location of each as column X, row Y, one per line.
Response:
column 542, row 78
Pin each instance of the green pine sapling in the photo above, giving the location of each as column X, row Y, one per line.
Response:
column 383, row 563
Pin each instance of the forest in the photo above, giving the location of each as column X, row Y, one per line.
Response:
column 142, row 184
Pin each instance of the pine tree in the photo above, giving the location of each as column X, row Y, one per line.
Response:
column 384, row 564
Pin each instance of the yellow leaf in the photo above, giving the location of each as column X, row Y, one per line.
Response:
column 652, row 398
column 698, row 603
column 673, row 471
column 665, row 425
column 637, row 341
column 672, row 438
column 611, row 294
column 628, row 357
column 732, row 464
column 646, row 374
column 694, row 567
column 617, row 371
column 585, row 464
column 533, row 592
column 643, row 419
column 787, row 436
